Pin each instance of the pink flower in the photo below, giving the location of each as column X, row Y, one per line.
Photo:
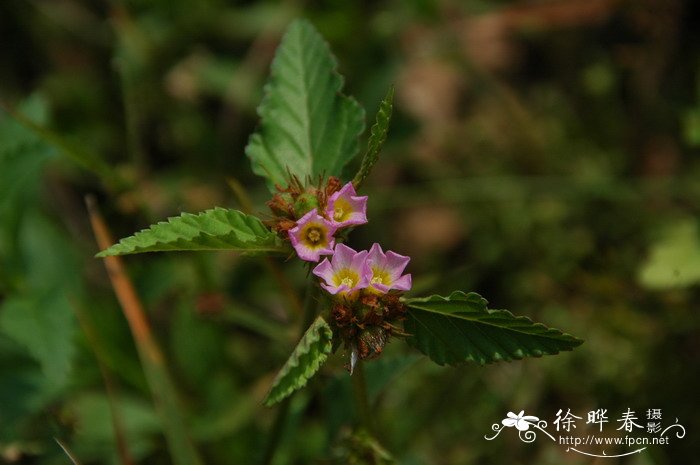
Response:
column 385, row 271
column 345, row 273
column 312, row 236
column 345, row 208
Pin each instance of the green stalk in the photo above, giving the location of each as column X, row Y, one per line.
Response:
column 359, row 391
column 162, row 387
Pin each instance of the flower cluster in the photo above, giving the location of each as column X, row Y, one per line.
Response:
column 348, row 272
column 313, row 234
column 365, row 285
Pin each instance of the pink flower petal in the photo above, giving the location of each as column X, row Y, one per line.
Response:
column 305, row 250
column 342, row 257
column 403, row 283
column 360, row 265
column 324, row 270
column 376, row 255
column 382, row 288
column 396, row 263
column 357, row 206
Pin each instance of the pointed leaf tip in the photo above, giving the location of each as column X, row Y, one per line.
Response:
column 307, row 127
column 377, row 137
column 459, row 328
column 215, row 229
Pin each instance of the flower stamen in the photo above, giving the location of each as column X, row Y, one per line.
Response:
column 314, row 235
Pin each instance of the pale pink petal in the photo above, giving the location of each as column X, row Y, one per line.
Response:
column 383, row 288
column 403, row 283
column 324, row 270
column 293, row 235
column 331, row 289
column 304, row 251
column 359, row 212
column 311, row 215
column 376, row 255
column 342, row 257
column 361, row 267
column 347, row 190
column 358, row 206
column 395, row 264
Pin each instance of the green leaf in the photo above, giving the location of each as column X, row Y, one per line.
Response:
column 377, row 138
column 45, row 325
column 674, row 261
column 460, row 328
column 307, row 358
column 216, row 229
column 22, row 157
column 307, row 127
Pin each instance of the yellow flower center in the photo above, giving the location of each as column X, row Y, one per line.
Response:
column 314, row 236
column 341, row 210
column 346, row 277
column 380, row 276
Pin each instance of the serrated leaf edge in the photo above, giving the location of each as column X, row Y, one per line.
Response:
column 124, row 247
column 550, row 333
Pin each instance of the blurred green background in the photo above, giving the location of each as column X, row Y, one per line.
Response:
column 542, row 153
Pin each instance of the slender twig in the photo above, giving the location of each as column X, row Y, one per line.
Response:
column 162, row 387
column 67, row 451
column 362, row 405
column 276, row 433
column 117, row 421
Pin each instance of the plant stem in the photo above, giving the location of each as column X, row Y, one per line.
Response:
column 359, row 391
column 162, row 387
column 271, row 264
column 277, row 431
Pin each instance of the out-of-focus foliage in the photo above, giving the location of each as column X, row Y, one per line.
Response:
column 541, row 153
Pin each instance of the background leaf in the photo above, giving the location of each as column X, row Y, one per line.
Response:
column 307, row 358
column 45, row 326
column 307, row 127
column 674, row 261
column 216, row 229
column 460, row 328
column 34, row 255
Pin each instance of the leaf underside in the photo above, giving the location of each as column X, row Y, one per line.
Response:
column 307, row 127
column 308, row 356
column 459, row 328
column 215, row 229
